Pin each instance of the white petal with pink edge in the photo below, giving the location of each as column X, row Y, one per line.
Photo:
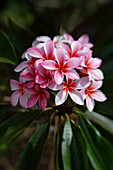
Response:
column 49, row 48
column 90, row 103
column 32, row 100
column 99, row 96
column 49, row 64
column 95, row 63
column 23, row 100
column 95, row 85
column 14, row 98
column 58, row 77
column 55, row 86
column 61, row 97
column 76, row 97
column 42, row 102
column 65, row 47
column 75, row 46
column 83, row 83
column 96, row 74
column 73, row 62
column 43, row 38
column 14, row 84
column 60, row 56
column 84, row 39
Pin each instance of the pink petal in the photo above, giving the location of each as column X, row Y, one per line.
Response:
column 75, row 46
column 45, row 84
column 30, row 84
column 55, row 86
column 14, row 84
column 37, row 62
column 46, row 94
column 83, row 83
column 96, row 85
column 68, row 37
column 61, row 96
column 14, row 98
column 95, row 63
column 88, row 45
column 65, row 47
column 39, row 79
column 97, row 74
column 23, row 100
column 49, row 48
column 71, row 73
column 57, row 38
column 83, row 93
column 27, row 76
column 32, row 100
column 60, row 57
column 84, row 39
column 49, row 64
column 21, row 66
column 42, row 71
column 35, row 52
column 84, row 52
column 90, row 103
column 99, row 96
column 76, row 97
column 73, row 62
column 42, row 102
column 58, row 77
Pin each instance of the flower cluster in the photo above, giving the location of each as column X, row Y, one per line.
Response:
column 62, row 64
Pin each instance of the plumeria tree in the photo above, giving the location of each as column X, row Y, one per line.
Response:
column 59, row 77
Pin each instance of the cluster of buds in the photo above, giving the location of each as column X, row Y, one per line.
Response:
column 62, row 64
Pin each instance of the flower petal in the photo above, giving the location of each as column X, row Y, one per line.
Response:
column 14, row 98
column 60, row 57
column 61, row 96
column 42, row 102
column 21, row 66
column 43, row 38
column 37, row 62
column 75, row 46
column 65, row 47
column 23, row 100
column 85, row 52
column 84, row 39
column 14, row 84
column 49, row 64
column 96, row 74
column 73, row 62
column 95, row 63
column 55, row 86
column 46, row 94
column 99, row 96
column 39, row 79
column 76, row 97
column 58, row 77
column 68, row 37
column 94, row 86
column 90, row 103
column 30, row 84
column 27, row 76
column 71, row 73
column 57, row 38
column 32, row 100
column 83, row 83
column 49, row 48
column 35, row 52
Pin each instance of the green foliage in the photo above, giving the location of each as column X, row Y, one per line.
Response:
column 30, row 158
column 13, row 127
column 7, row 51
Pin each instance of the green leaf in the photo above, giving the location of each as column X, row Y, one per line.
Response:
column 58, row 156
column 66, row 143
column 7, row 52
column 30, row 158
column 103, row 121
column 20, row 37
column 13, row 127
column 99, row 150
column 79, row 152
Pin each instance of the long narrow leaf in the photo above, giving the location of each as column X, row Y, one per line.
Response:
column 30, row 158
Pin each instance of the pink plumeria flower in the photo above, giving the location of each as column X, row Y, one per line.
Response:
column 62, row 67
column 47, row 54
column 84, row 40
column 90, row 67
column 74, row 50
column 92, row 93
column 39, row 95
column 19, row 94
column 45, row 77
column 70, row 87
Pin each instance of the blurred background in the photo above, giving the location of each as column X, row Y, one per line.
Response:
column 48, row 17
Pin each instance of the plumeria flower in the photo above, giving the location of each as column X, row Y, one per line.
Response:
column 45, row 77
column 39, row 95
column 62, row 67
column 74, row 50
column 39, row 41
column 70, row 87
column 92, row 93
column 90, row 66
column 19, row 94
